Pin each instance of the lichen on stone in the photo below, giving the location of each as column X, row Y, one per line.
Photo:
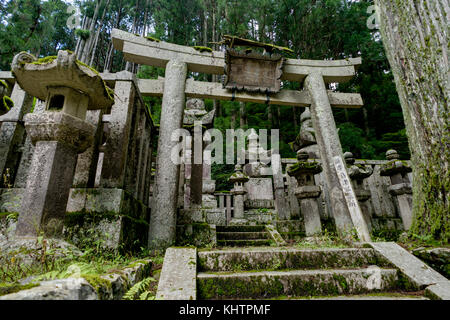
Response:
column 7, row 104
column 45, row 60
column 203, row 49
column 152, row 39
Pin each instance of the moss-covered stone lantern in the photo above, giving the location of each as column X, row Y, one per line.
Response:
column 238, row 178
column 401, row 187
column 307, row 192
column 357, row 174
column 59, row 134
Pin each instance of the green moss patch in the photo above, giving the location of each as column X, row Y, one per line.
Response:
column 4, row 84
column 203, row 49
column 45, row 60
column 8, row 288
column 7, row 104
column 152, row 39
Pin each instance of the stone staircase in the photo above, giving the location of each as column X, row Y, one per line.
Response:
column 277, row 273
column 242, row 236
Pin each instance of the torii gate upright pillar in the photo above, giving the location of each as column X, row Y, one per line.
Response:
column 345, row 208
column 162, row 229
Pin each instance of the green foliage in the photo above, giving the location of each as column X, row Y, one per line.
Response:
column 141, row 290
column 83, row 34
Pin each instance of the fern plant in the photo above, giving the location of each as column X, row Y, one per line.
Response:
column 141, row 291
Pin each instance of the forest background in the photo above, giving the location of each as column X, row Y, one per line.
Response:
column 314, row 29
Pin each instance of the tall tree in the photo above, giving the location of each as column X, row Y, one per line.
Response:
column 415, row 35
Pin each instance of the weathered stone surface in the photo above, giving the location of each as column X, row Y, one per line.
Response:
column 12, row 132
column 330, row 147
column 63, row 289
column 164, row 207
column 419, row 274
column 439, row 291
column 114, row 286
column 178, row 275
column 64, row 71
column 48, row 186
column 20, row 248
column 287, row 258
column 197, row 234
column 266, row 284
column 119, row 130
column 61, row 127
column 275, row 235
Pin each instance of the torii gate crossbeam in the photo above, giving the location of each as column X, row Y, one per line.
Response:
column 179, row 59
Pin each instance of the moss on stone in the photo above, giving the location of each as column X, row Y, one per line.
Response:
column 8, row 288
column 101, row 285
column 152, row 39
column 311, row 167
column 203, row 49
column 4, row 84
column 45, row 60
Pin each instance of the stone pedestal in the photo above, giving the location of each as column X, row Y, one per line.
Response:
column 401, row 188
column 307, row 192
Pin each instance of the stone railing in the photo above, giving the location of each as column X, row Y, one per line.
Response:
column 225, row 201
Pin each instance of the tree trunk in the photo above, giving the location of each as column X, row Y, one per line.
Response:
column 88, row 43
column 242, row 115
column 110, row 57
column 415, row 36
column 97, row 35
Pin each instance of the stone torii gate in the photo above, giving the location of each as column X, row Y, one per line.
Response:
column 314, row 74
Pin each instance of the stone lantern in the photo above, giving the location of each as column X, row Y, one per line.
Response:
column 198, row 173
column 307, row 192
column 357, row 174
column 401, row 188
column 238, row 178
column 59, row 134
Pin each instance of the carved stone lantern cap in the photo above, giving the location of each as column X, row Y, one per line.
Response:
column 306, row 115
column 302, row 155
column 238, row 175
column 349, row 159
column 253, row 135
column 392, row 155
column 37, row 76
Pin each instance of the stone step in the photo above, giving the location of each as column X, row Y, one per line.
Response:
column 242, row 235
column 270, row 258
column 243, row 243
column 258, row 228
column 269, row 284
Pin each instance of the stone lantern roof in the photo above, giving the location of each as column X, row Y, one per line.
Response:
column 36, row 76
column 238, row 175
